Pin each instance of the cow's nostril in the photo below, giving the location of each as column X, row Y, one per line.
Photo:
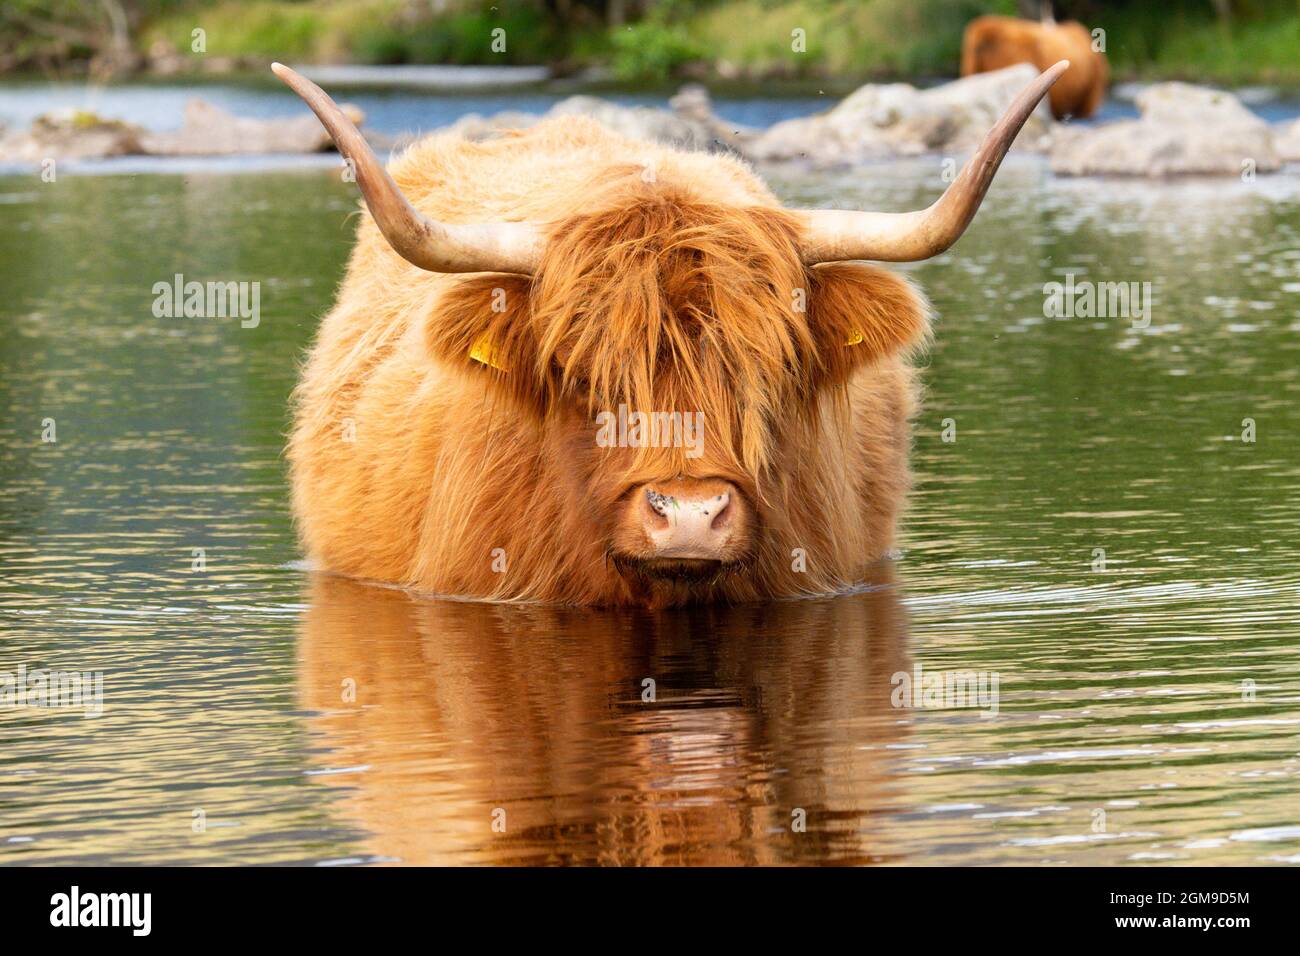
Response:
column 660, row 505
column 719, row 510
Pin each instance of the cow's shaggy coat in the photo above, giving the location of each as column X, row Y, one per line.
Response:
column 670, row 281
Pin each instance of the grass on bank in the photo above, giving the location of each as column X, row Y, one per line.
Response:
column 359, row 31
column 754, row 38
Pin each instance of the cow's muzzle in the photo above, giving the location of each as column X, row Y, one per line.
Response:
column 685, row 528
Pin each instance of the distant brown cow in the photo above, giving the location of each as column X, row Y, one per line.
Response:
column 992, row 43
column 467, row 420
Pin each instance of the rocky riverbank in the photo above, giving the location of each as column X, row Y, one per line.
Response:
column 1181, row 130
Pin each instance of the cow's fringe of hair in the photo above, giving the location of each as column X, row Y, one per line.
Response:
column 670, row 303
column 667, row 303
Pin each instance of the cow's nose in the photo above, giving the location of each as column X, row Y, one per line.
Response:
column 689, row 525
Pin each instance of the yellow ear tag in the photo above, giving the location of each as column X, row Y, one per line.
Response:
column 855, row 338
column 484, row 351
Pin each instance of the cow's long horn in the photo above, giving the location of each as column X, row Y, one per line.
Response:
column 424, row 242
column 834, row 235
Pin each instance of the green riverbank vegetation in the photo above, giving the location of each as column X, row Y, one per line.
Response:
column 1224, row 41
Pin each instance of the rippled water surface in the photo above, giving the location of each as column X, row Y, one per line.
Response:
column 1098, row 537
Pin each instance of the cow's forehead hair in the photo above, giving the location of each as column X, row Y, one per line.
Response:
column 655, row 298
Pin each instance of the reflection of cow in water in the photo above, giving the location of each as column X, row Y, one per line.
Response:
column 462, row 709
column 992, row 43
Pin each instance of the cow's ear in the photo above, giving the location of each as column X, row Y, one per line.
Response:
column 482, row 323
column 859, row 314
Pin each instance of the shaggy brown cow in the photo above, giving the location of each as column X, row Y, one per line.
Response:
column 993, row 43
column 467, row 422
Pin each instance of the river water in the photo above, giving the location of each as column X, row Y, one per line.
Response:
column 1105, row 523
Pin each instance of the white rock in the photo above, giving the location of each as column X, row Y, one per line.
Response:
column 70, row 134
column 691, row 124
column 895, row 119
column 1183, row 130
column 211, row 131
column 1286, row 140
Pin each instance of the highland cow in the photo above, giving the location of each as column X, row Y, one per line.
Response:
column 993, row 43
column 505, row 298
